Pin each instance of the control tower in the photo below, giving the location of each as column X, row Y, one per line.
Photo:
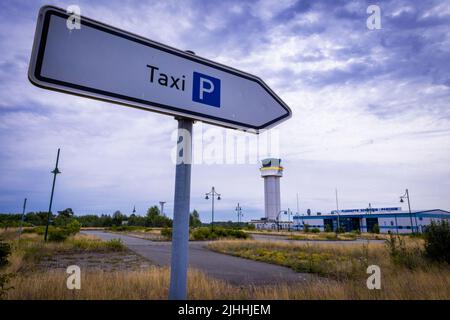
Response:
column 271, row 172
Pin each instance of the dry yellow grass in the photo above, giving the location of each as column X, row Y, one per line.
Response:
column 149, row 284
column 154, row 282
column 406, row 285
column 301, row 235
column 432, row 282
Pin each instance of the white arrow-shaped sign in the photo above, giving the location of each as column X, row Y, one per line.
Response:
column 103, row 62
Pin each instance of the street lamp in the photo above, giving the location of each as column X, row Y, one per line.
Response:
column 289, row 219
column 278, row 218
column 23, row 216
column 213, row 194
column 239, row 212
column 406, row 195
column 55, row 172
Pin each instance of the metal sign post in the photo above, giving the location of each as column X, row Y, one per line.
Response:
column 180, row 229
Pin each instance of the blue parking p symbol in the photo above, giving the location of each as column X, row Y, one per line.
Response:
column 206, row 89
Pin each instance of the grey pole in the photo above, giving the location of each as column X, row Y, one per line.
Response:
column 410, row 214
column 212, row 193
column 337, row 211
column 239, row 213
column 180, row 231
column 23, row 216
column 212, row 210
column 289, row 219
column 396, row 224
column 55, row 172
column 406, row 195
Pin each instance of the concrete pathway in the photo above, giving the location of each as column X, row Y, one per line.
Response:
column 235, row 270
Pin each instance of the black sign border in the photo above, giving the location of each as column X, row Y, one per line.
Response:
column 50, row 10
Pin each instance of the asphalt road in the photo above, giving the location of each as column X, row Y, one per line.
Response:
column 232, row 269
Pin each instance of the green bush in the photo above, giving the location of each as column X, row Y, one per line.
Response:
column 128, row 228
column 57, row 234
column 410, row 258
column 206, row 233
column 306, row 228
column 5, row 251
column 328, row 228
column 315, row 230
column 376, row 228
column 61, row 233
column 340, row 230
column 38, row 230
column 166, row 232
column 73, row 227
column 250, row 226
column 437, row 241
column 115, row 245
column 4, row 279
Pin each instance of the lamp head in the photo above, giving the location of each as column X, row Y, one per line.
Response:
column 206, row 197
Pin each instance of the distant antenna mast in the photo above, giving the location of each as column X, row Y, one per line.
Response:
column 337, row 209
column 298, row 208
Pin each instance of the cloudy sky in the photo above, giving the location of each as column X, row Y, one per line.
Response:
column 371, row 113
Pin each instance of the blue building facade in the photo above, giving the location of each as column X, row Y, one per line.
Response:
column 387, row 220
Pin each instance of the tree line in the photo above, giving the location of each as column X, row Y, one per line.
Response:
column 153, row 218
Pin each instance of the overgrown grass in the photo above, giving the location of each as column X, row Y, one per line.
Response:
column 195, row 234
column 207, row 233
column 301, row 235
column 154, row 282
column 27, row 251
column 324, row 236
column 332, row 260
column 343, row 267
column 335, row 261
column 129, row 228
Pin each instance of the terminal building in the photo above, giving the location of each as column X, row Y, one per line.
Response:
column 386, row 220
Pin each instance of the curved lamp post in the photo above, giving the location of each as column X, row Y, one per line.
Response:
column 213, row 194
column 406, row 195
column 278, row 218
column 55, row 172
column 239, row 212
